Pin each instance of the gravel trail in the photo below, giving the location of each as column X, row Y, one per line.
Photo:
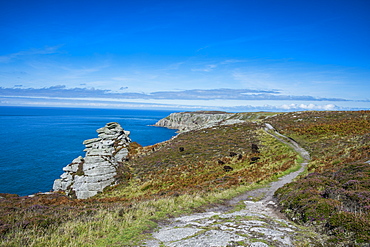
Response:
column 257, row 224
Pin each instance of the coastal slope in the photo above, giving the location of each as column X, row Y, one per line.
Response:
column 186, row 121
column 203, row 169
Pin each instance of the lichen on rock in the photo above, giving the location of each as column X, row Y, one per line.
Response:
column 87, row 176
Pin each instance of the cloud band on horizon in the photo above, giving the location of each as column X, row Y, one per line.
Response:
column 195, row 94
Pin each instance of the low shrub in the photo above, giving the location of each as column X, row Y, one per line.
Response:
column 334, row 196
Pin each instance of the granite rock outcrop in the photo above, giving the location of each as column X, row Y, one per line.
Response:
column 89, row 175
column 186, row 121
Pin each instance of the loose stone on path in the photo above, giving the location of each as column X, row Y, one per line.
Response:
column 246, row 227
column 258, row 224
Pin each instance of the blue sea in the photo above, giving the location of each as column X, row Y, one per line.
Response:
column 36, row 143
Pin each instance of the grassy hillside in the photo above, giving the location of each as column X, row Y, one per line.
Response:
column 203, row 167
column 334, row 195
column 195, row 162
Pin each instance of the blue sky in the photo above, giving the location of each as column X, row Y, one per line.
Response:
column 225, row 55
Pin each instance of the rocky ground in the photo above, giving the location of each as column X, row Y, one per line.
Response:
column 251, row 219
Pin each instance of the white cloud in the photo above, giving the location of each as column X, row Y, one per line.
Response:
column 74, row 72
column 227, row 105
column 327, row 107
column 229, row 61
column 44, row 51
column 189, row 95
column 208, row 68
column 174, row 66
column 256, row 79
column 215, row 64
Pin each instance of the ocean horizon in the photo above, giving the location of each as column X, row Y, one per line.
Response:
column 37, row 142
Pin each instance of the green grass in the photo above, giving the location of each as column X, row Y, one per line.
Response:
column 126, row 211
column 160, row 182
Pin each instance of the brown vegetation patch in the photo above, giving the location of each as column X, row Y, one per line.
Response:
column 334, row 196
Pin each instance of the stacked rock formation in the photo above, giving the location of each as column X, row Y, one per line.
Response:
column 87, row 176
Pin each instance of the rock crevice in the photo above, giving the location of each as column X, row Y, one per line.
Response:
column 86, row 176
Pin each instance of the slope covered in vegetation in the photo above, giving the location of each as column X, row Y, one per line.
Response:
column 202, row 167
column 334, row 195
column 210, row 159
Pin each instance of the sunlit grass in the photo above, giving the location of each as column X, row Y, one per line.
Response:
column 164, row 182
column 127, row 211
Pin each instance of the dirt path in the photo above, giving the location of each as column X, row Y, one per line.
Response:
column 258, row 224
column 267, row 193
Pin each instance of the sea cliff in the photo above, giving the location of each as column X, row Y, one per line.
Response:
column 186, row 121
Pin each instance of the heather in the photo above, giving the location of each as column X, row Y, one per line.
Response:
column 197, row 161
column 204, row 167
column 158, row 181
column 334, row 194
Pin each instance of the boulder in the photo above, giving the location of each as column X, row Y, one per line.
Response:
column 85, row 177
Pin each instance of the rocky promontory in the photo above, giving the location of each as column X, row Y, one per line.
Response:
column 185, row 121
column 86, row 176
